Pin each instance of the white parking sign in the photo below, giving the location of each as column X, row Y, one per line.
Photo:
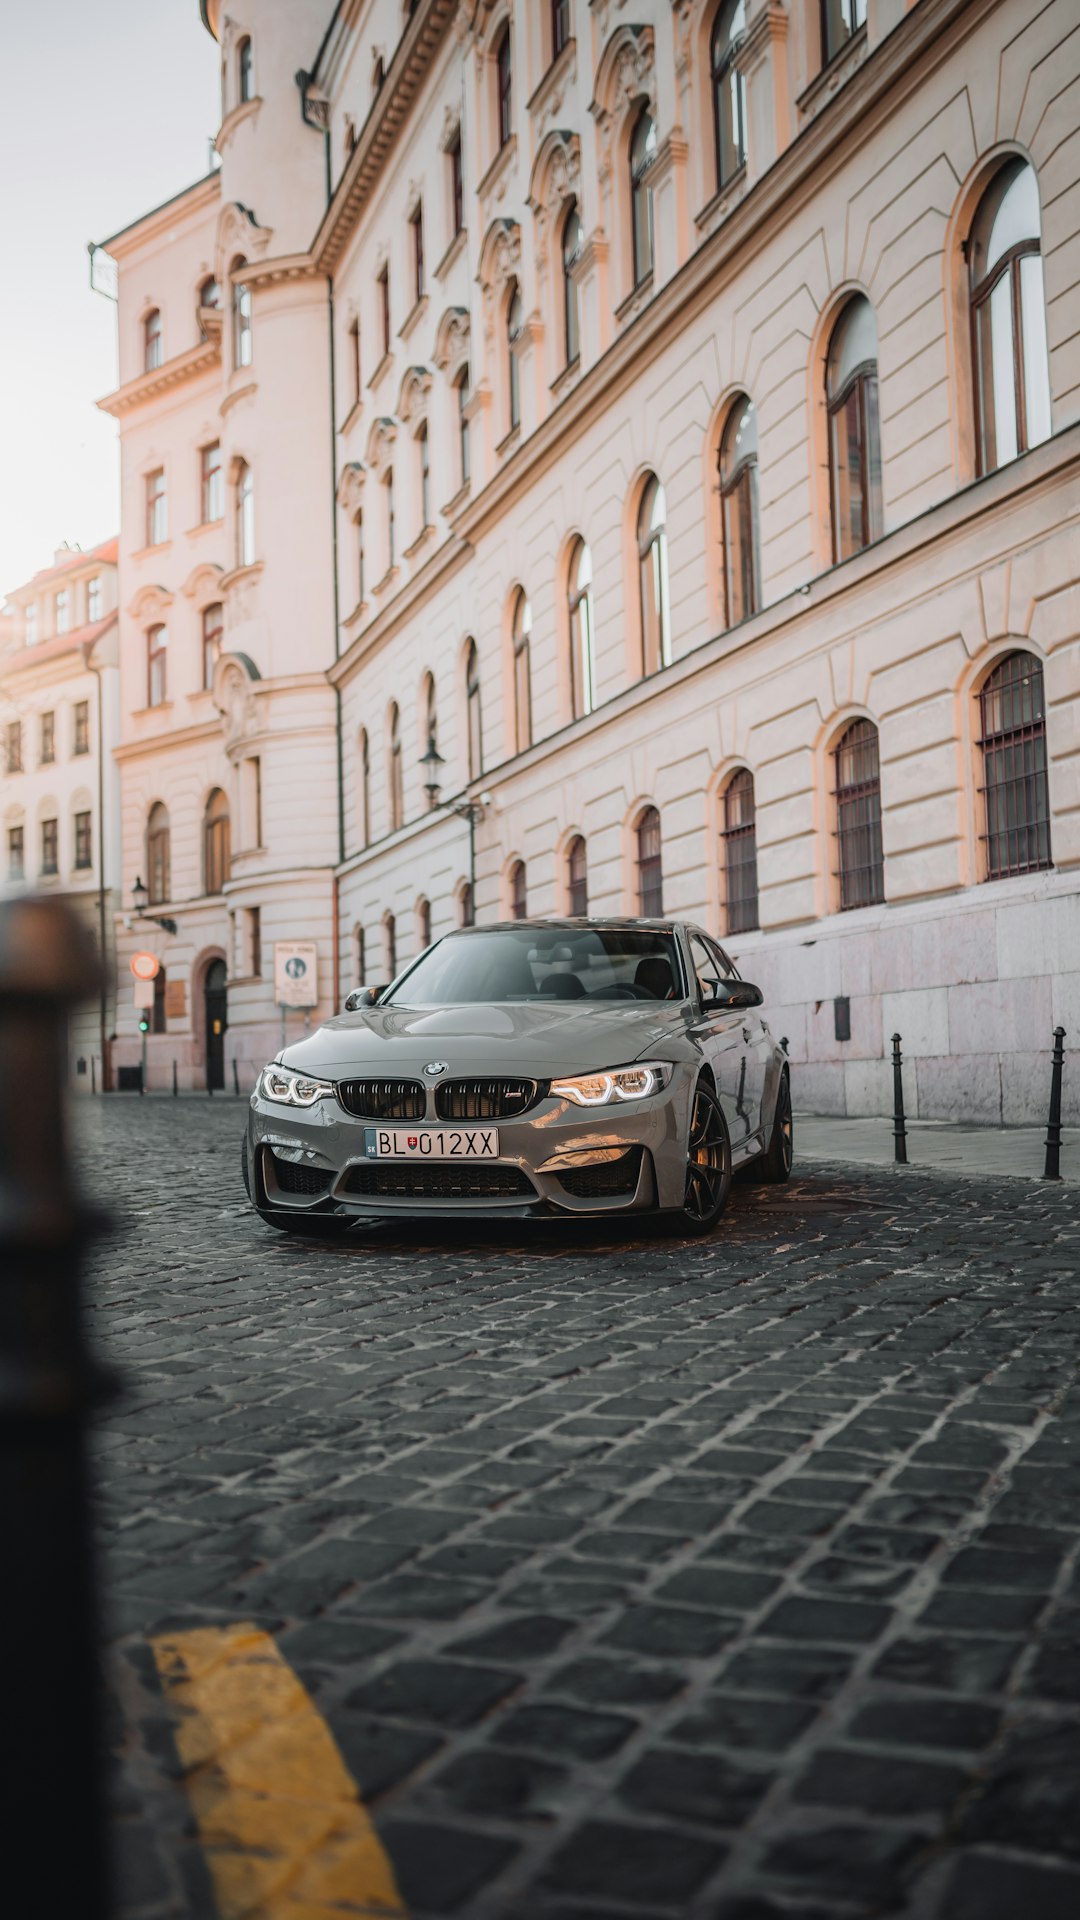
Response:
column 295, row 973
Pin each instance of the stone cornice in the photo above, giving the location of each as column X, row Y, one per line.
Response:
column 286, row 266
column 197, row 198
column 155, row 743
column 408, row 70
column 171, row 373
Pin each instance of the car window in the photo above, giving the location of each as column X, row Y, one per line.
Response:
column 543, row 963
column 728, row 970
column 707, row 970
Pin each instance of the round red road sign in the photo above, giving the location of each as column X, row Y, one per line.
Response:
column 145, row 966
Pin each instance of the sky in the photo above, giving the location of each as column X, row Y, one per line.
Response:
column 109, row 108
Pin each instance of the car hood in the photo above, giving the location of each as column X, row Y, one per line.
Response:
column 533, row 1038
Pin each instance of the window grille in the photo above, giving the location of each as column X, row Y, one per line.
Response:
column 740, row 853
column 1015, row 788
column 858, row 817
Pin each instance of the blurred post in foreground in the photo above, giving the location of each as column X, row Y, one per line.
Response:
column 53, row 1803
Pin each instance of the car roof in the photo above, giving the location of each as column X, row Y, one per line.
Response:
column 576, row 922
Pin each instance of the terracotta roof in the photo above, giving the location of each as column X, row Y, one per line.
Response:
column 108, row 552
column 22, row 657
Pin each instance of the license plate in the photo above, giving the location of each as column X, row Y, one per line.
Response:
column 431, row 1143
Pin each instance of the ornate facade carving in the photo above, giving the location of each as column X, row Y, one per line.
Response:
column 234, row 697
column 350, row 487
column 150, row 603
column 413, row 399
column 380, row 446
column 238, row 233
column 452, row 340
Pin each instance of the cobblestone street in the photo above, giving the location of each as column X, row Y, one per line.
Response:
column 730, row 1580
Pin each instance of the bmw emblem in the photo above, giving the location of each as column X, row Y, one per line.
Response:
column 435, row 1066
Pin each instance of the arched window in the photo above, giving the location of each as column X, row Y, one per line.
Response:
column 642, row 155
column 839, row 20
column 158, row 874
column 577, row 876
column 152, row 340
column 466, row 906
column 241, row 318
column 572, row 238
column 860, row 868
column 1016, row 793
column 390, row 936
column 157, row 655
column 215, row 842
column 653, row 569
column 504, row 85
column 518, row 892
column 461, row 385
column 560, row 26
column 522, row 633
column 474, row 731
column 212, row 632
column 739, row 509
column 728, row 90
column 423, row 924
column 514, row 316
column 363, row 783
column 423, row 451
column 740, row 853
column 430, row 713
column 650, row 877
column 245, row 516
column 582, row 637
column 851, row 388
column 397, row 789
column 1008, row 319
column 245, row 70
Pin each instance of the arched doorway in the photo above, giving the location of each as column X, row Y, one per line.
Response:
column 215, row 991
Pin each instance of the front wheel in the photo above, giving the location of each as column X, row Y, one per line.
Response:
column 708, row 1166
column 775, row 1162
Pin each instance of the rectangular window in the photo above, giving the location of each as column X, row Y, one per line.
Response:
column 251, row 801
column 48, row 738
column 13, row 746
column 560, row 26
column 94, row 600
column 212, row 629
column 49, row 846
column 354, row 361
column 16, row 853
column 63, row 610
column 83, row 853
column 156, row 508
column 31, row 624
column 213, row 490
column 156, row 657
column 360, row 580
column 417, row 225
column 82, row 727
column 384, row 308
column 457, row 187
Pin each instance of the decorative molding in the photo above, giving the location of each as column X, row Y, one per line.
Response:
column 500, row 255
column 203, row 584
column 558, row 81
column 233, row 691
column 150, row 603
column 246, row 110
column 380, row 446
column 451, row 128
column 413, row 399
column 350, row 487
column 238, row 232
column 172, row 373
column 452, row 340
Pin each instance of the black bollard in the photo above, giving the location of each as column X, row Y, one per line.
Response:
column 899, row 1124
column 48, row 1616
column 236, row 1078
column 174, row 1086
column 1052, row 1163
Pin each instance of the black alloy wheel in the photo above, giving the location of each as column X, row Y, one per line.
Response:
column 708, row 1166
column 775, row 1162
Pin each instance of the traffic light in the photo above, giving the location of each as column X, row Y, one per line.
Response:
column 144, row 1025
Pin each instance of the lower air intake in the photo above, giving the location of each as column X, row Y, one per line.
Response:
column 407, row 1180
column 606, row 1180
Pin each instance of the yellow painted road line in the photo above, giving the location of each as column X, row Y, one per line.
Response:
column 279, row 1816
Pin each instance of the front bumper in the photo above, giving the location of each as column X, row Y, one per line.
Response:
column 557, row 1160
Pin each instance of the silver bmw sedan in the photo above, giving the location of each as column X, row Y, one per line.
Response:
column 537, row 1069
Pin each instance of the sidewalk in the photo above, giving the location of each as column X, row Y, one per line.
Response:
column 944, row 1146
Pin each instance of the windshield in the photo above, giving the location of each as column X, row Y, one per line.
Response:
column 543, row 963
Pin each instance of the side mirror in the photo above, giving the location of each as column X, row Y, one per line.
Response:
column 363, row 997
column 736, row 994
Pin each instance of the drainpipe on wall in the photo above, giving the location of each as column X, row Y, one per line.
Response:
column 87, row 650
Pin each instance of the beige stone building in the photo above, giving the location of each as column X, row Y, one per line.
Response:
column 59, row 789
column 698, row 390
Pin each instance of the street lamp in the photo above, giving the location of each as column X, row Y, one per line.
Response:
column 471, row 810
column 140, row 900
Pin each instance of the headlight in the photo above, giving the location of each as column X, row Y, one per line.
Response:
column 618, row 1083
column 293, row 1089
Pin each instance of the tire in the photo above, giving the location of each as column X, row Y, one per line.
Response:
column 313, row 1226
column 774, row 1165
column 708, row 1167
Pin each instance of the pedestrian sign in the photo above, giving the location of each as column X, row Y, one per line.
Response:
column 296, row 973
